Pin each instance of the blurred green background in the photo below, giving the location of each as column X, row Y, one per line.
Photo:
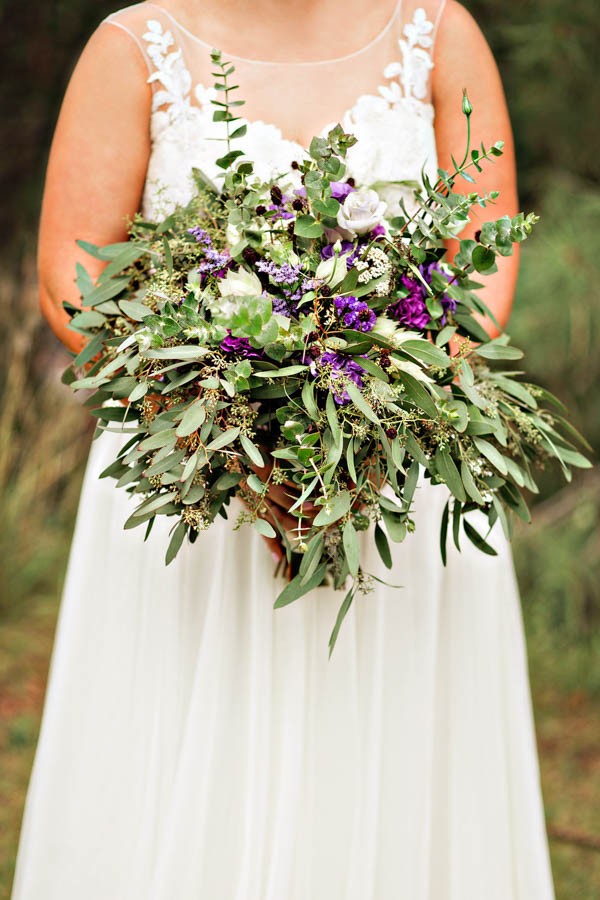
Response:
column 547, row 51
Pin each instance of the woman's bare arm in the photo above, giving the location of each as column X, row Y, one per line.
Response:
column 96, row 168
column 464, row 60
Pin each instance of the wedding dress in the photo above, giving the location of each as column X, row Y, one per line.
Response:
column 197, row 744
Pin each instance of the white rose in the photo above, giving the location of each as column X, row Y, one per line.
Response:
column 240, row 284
column 361, row 212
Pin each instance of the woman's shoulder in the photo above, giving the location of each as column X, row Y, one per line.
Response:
column 135, row 17
column 456, row 22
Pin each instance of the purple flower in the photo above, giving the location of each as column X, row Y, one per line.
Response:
column 201, row 235
column 342, row 370
column 239, row 346
column 354, row 313
column 378, row 231
column 448, row 303
column 278, row 209
column 327, row 252
column 412, row 309
column 340, row 189
column 214, row 262
column 284, row 274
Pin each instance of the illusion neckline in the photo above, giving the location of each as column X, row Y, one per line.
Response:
column 270, row 62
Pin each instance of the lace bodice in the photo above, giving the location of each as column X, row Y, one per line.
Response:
column 381, row 93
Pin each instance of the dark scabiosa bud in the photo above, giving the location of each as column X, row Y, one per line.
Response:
column 326, row 291
column 351, row 182
column 391, row 433
column 298, row 204
column 261, row 210
column 478, row 235
column 250, row 255
column 290, row 229
column 276, row 195
column 295, row 165
column 384, row 359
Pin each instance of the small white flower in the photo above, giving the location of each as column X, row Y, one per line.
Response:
column 240, row 284
column 361, row 212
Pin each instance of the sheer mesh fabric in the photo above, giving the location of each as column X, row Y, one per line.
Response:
column 301, row 99
column 381, row 93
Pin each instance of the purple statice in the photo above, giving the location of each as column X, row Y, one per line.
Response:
column 239, row 346
column 287, row 273
column 282, row 307
column 201, row 235
column 411, row 310
column 293, row 284
column 342, row 370
column 215, row 262
column 354, row 313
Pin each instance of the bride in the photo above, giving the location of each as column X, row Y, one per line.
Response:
column 195, row 742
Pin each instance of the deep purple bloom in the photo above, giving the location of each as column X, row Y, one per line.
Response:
column 355, row 313
column 342, row 368
column 412, row 309
column 239, row 346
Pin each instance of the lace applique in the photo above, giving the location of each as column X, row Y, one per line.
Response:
column 172, row 73
column 413, row 71
column 394, row 125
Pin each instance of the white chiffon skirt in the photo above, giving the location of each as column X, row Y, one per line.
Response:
column 197, row 744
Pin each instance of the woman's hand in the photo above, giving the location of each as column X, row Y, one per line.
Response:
column 277, row 502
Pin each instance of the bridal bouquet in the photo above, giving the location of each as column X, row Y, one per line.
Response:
column 293, row 333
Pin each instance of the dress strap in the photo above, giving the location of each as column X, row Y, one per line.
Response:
column 119, row 21
column 156, row 37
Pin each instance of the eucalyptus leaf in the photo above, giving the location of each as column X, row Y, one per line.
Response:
column 334, row 509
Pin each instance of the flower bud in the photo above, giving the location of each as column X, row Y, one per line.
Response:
column 467, row 108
